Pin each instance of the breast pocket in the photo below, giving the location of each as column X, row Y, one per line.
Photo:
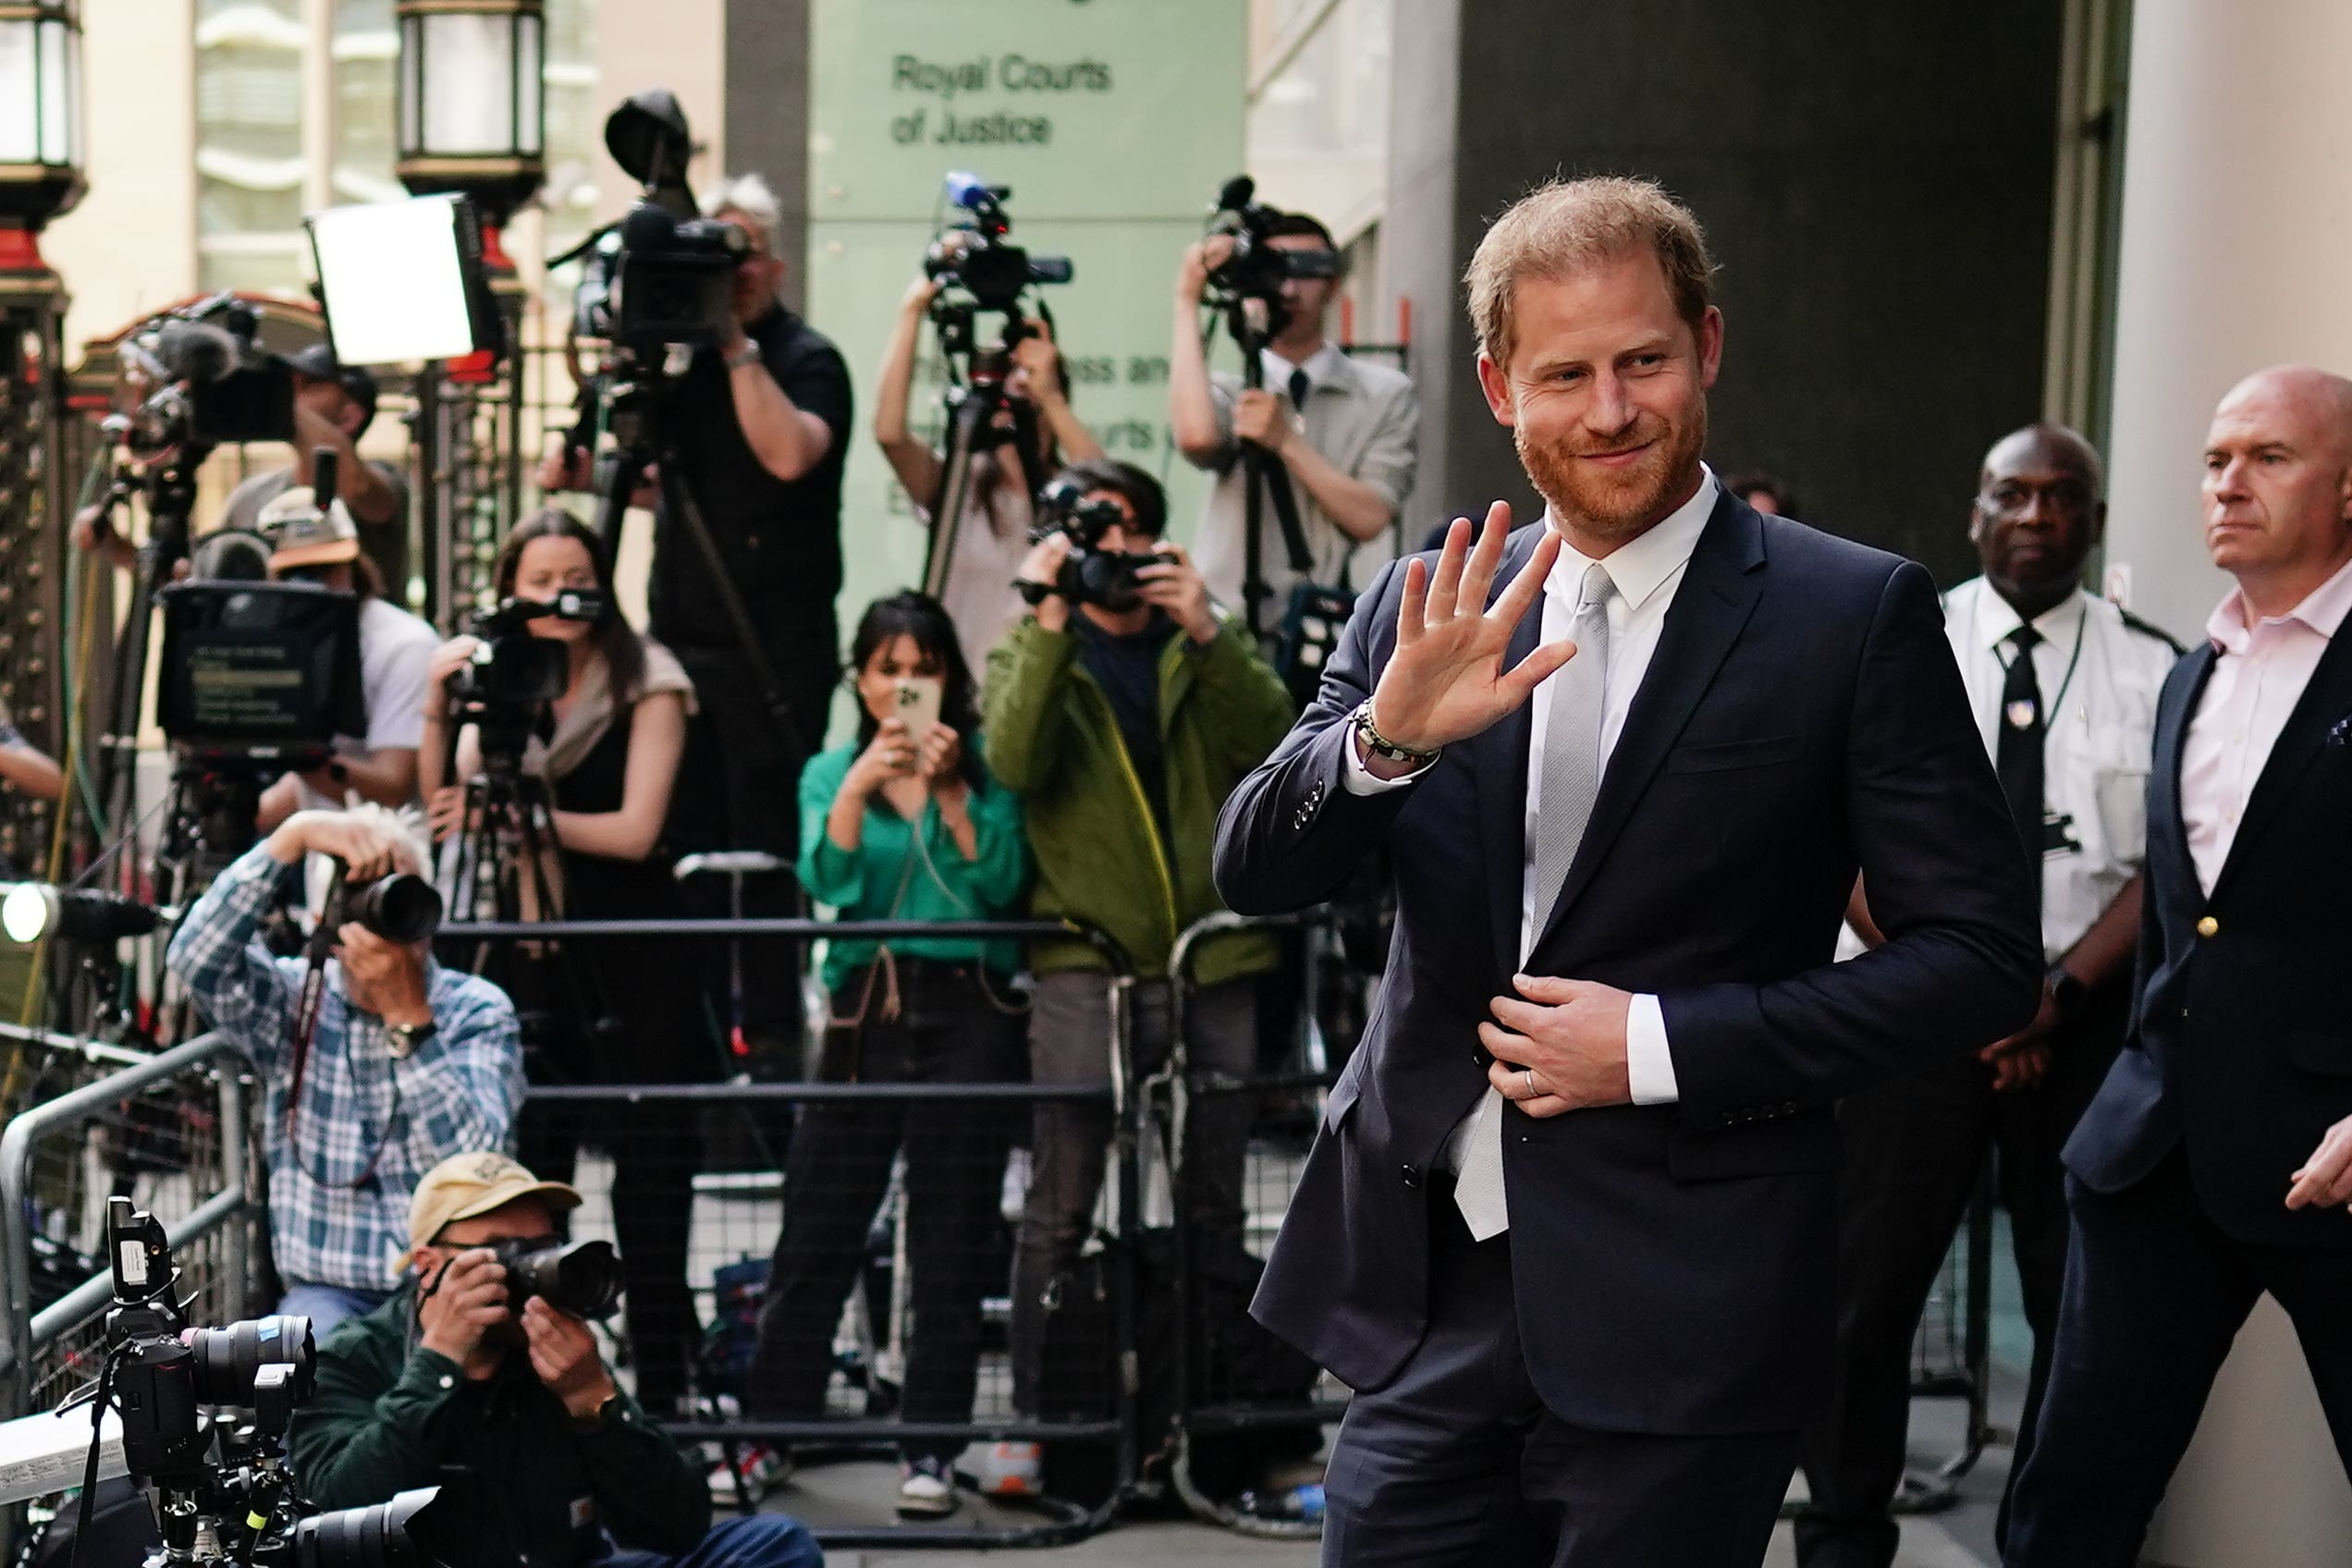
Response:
column 1735, row 756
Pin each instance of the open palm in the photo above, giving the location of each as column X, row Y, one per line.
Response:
column 1447, row 681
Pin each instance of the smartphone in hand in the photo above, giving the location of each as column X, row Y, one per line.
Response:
column 917, row 705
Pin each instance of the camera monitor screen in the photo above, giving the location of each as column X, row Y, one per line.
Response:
column 247, row 666
column 402, row 281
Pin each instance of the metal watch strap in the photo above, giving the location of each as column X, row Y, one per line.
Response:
column 746, row 355
column 1385, row 749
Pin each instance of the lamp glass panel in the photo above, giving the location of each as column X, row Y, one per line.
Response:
column 412, row 68
column 20, row 95
column 469, row 85
column 530, row 54
column 56, row 93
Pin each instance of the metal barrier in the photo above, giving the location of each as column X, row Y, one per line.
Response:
column 176, row 1123
column 713, row 1241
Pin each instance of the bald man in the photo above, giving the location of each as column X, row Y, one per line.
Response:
column 2215, row 1163
column 2062, row 686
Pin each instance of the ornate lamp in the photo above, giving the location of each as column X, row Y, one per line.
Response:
column 473, row 115
column 39, row 125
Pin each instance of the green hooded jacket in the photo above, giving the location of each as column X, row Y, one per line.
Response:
column 1052, row 738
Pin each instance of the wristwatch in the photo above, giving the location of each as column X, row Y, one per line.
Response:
column 747, row 353
column 402, row 1040
column 2066, row 990
column 1385, row 749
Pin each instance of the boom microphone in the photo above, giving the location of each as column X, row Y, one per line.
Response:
column 324, row 460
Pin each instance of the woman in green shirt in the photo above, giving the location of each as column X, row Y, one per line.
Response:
column 905, row 823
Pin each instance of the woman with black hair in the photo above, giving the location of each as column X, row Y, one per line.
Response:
column 601, row 1012
column 903, row 824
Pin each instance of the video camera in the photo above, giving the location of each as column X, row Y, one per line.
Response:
column 1255, row 269
column 219, row 385
column 1090, row 574
column 203, row 1415
column 979, row 258
column 662, row 276
column 513, row 673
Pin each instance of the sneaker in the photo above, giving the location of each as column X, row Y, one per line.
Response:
column 927, row 1489
column 762, row 1470
column 1012, row 1470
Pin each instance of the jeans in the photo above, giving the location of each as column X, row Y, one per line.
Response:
column 325, row 1306
column 1068, row 1035
column 949, row 1031
column 757, row 1540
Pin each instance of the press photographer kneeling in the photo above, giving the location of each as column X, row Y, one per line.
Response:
column 398, row 1063
column 471, row 1365
column 598, row 760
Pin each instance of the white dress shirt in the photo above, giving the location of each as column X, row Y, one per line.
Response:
column 2100, row 676
column 2256, row 682
column 1647, row 572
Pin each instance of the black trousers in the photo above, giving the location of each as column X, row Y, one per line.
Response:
column 1914, row 1151
column 1457, row 1463
column 949, row 1031
column 2155, row 1295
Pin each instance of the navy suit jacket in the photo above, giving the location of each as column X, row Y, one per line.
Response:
column 1675, row 1265
column 2241, row 1037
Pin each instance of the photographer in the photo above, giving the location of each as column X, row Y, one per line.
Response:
column 761, row 429
column 333, row 404
column 565, row 1469
column 607, row 749
column 396, row 650
column 900, row 825
column 1123, row 729
column 1343, row 430
column 992, row 536
column 408, row 1062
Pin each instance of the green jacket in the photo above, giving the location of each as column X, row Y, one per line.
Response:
column 389, row 1414
column 1052, row 738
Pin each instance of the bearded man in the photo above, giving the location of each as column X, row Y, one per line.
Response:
column 1569, row 1225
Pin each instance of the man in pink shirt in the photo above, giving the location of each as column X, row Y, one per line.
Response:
column 2216, row 1161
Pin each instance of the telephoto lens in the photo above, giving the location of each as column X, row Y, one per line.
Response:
column 398, row 908
column 384, row 1535
column 581, row 1278
column 228, row 1359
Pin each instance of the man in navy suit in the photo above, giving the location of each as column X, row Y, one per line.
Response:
column 1568, row 1229
column 2211, row 1165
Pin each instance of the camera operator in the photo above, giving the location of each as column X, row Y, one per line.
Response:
column 396, row 651
column 333, row 404
column 567, row 1470
column 992, row 537
column 607, row 748
column 900, row 825
column 408, row 1063
column 1123, row 729
column 1344, row 431
column 761, row 428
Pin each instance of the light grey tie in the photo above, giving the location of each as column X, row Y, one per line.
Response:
column 1570, row 779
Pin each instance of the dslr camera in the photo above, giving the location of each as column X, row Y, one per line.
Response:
column 1090, row 574
column 219, row 385
column 978, row 256
column 1254, row 269
column 204, row 1412
column 513, row 674
column 581, row 1278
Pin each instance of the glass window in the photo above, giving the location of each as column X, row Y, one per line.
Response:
column 250, row 57
column 576, row 111
column 363, row 57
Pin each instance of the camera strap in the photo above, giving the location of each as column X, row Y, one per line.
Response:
column 314, row 992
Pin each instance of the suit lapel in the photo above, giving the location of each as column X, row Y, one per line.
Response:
column 2171, row 729
column 1712, row 604
column 2324, row 701
column 1499, row 758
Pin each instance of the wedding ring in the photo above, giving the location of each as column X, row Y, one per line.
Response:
column 1529, row 1074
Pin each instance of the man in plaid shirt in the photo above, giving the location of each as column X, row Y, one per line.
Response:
column 408, row 1063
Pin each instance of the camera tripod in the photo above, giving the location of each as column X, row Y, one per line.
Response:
column 171, row 501
column 971, row 405
column 1262, row 474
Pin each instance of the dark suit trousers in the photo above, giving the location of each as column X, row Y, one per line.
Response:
column 1457, row 1462
column 1914, row 1149
column 2155, row 1293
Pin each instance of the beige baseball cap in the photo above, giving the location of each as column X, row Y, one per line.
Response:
column 465, row 1186
column 299, row 534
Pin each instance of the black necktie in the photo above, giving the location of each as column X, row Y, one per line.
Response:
column 1300, row 387
column 2018, row 757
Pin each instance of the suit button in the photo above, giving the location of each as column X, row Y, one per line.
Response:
column 1412, row 1177
column 1789, row 1110
column 2209, row 926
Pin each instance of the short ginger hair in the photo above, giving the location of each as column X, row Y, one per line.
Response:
column 1566, row 226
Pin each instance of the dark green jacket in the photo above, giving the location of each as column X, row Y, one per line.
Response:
column 1052, row 738
column 390, row 1415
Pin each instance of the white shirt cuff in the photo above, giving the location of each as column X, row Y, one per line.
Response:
column 1358, row 779
column 1650, row 1066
